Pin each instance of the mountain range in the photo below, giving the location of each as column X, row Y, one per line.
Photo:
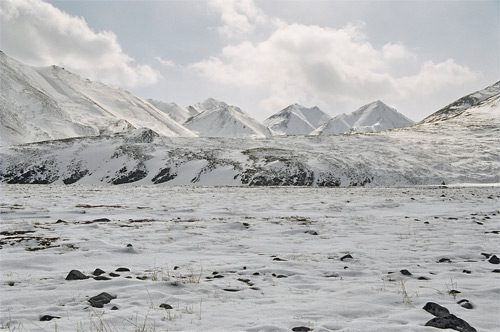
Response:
column 49, row 103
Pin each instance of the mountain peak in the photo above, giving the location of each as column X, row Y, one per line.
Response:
column 372, row 117
column 296, row 119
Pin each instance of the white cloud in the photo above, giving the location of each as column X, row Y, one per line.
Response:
column 37, row 33
column 165, row 62
column 396, row 51
column 238, row 16
column 320, row 65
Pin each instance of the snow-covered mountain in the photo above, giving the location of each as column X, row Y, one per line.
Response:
column 176, row 112
column 372, row 117
column 218, row 119
column 296, row 120
column 488, row 95
column 46, row 103
column 461, row 149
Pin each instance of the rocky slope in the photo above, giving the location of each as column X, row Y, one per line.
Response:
column 176, row 112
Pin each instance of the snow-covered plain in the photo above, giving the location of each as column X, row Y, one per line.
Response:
column 247, row 259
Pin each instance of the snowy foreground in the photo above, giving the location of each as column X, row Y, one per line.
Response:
column 247, row 259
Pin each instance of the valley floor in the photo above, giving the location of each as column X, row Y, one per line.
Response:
column 247, row 259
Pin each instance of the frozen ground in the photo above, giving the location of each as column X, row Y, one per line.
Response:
column 277, row 252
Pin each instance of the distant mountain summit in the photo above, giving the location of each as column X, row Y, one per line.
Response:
column 489, row 95
column 218, row 119
column 372, row 117
column 47, row 103
column 296, row 119
column 176, row 112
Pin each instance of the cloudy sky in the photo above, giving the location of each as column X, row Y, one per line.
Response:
column 263, row 55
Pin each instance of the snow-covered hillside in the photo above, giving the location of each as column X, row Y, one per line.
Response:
column 465, row 148
column 372, row 117
column 218, row 119
column 176, row 112
column 48, row 103
column 489, row 95
column 296, row 120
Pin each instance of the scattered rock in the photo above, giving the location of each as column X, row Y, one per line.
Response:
column 76, row 275
column 405, row 272
column 176, row 268
column 301, row 329
column 112, row 274
column 348, row 256
column 444, row 260
column 465, row 304
column 467, row 271
column 311, row 232
column 486, row 254
column 166, row 306
column 60, row 221
column 129, row 245
column 435, row 309
column 102, row 278
column 122, row 269
column 46, row 318
column 450, row 322
column 100, row 300
column 277, row 259
column 101, row 220
column 218, row 276
column 114, row 308
column 231, row 290
column 331, row 275
column 494, row 260
column 256, row 273
column 423, row 278
column 141, row 278
column 98, row 272
column 280, row 276
column 496, row 271
column 454, row 292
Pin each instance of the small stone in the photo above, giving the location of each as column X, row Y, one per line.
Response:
column 348, row 256
column 435, row 309
column 465, row 304
column 405, row 272
column 454, row 292
column 444, row 260
column 100, row 300
column 277, row 259
column 256, row 273
column 101, row 278
column 494, row 260
column 301, row 329
column 46, row 318
column 98, row 272
column 112, row 274
column 231, row 290
column 142, row 278
column 218, row 276
column 450, row 322
column 122, row 269
column 467, row 271
column 114, row 308
column 311, row 232
column 423, row 278
column 166, row 306
column 60, row 221
column 496, row 271
column 486, row 254
column 101, row 220
column 280, row 276
column 76, row 275
column 176, row 268
column 129, row 245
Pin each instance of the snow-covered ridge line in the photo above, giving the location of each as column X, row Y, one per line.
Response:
column 44, row 103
